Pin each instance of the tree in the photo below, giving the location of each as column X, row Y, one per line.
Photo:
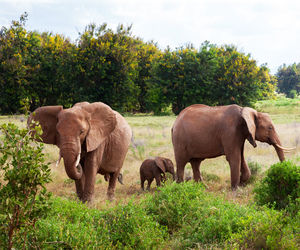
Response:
column 13, row 48
column 213, row 76
column 146, row 53
column 108, row 66
column 289, row 79
column 239, row 80
column 23, row 196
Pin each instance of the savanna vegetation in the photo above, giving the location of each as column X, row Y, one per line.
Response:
column 38, row 203
column 177, row 216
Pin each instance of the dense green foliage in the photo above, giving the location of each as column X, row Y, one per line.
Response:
column 23, row 196
column 122, row 71
column 280, row 186
column 71, row 224
column 289, row 80
column 266, row 229
column 178, row 216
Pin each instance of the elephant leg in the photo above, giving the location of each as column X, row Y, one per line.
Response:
column 149, row 183
column 142, row 182
column 245, row 171
column 234, row 159
column 196, row 169
column 180, row 170
column 158, row 179
column 89, row 185
column 112, row 185
column 79, row 184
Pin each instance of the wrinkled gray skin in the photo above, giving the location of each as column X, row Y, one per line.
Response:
column 201, row 132
column 92, row 139
column 155, row 168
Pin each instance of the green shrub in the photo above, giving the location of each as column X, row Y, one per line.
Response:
column 73, row 225
column 292, row 94
column 175, row 203
column 23, row 196
column 266, row 229
column 130, row 226
column 193, row 216
column 198, row 219
column 280, row 186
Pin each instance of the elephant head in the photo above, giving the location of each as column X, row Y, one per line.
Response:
column 260, row 127
column 165, row 165
column 83, row 127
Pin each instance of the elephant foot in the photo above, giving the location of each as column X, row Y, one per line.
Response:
column 80, row 195
column 110, row 196
column 233, row 188
column 243, row 183
column 87, row 198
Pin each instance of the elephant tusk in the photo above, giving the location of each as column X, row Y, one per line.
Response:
column 58, row 161
column 285, row 149
column 77, row 160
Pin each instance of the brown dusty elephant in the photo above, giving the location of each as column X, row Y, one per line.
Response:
column 92, row 139
column 201, row 132
column 155, row 168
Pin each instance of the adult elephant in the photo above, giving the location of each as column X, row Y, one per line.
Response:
column 201, row 132
column 92, row 139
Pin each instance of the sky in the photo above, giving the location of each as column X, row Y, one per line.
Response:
column 269, row 30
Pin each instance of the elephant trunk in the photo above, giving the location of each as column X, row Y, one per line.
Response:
column 72, row 165
column 280, row 153
column 278, row 148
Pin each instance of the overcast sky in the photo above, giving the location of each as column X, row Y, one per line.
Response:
column 267, row 29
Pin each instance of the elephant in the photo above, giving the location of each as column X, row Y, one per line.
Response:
column 155, row 168
column 92, row 138
column 201, row 132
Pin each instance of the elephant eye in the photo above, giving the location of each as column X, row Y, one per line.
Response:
column 81, row 131
column 271, row 127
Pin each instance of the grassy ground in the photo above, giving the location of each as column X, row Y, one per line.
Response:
column 152, row 137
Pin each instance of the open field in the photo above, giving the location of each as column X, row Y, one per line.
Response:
column 152, row 137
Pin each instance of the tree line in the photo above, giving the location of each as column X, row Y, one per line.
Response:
column 122, row 71
column 289, row 80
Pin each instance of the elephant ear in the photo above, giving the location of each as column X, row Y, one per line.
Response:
column 102, row 122
column 249, row 115
column 160, row 163
column 47, row 118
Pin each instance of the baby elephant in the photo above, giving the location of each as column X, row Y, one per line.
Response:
column 155, row 168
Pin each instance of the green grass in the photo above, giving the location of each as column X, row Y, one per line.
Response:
column 282, row 110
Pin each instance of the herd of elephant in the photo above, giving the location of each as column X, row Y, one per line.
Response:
column 92, row 138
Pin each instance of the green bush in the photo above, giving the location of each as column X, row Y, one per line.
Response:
column 198, row 219
column 23, row 196
column 292, row 94
column 193, row 216
column 266, row 229
column 280, row 186
column 72, row 224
